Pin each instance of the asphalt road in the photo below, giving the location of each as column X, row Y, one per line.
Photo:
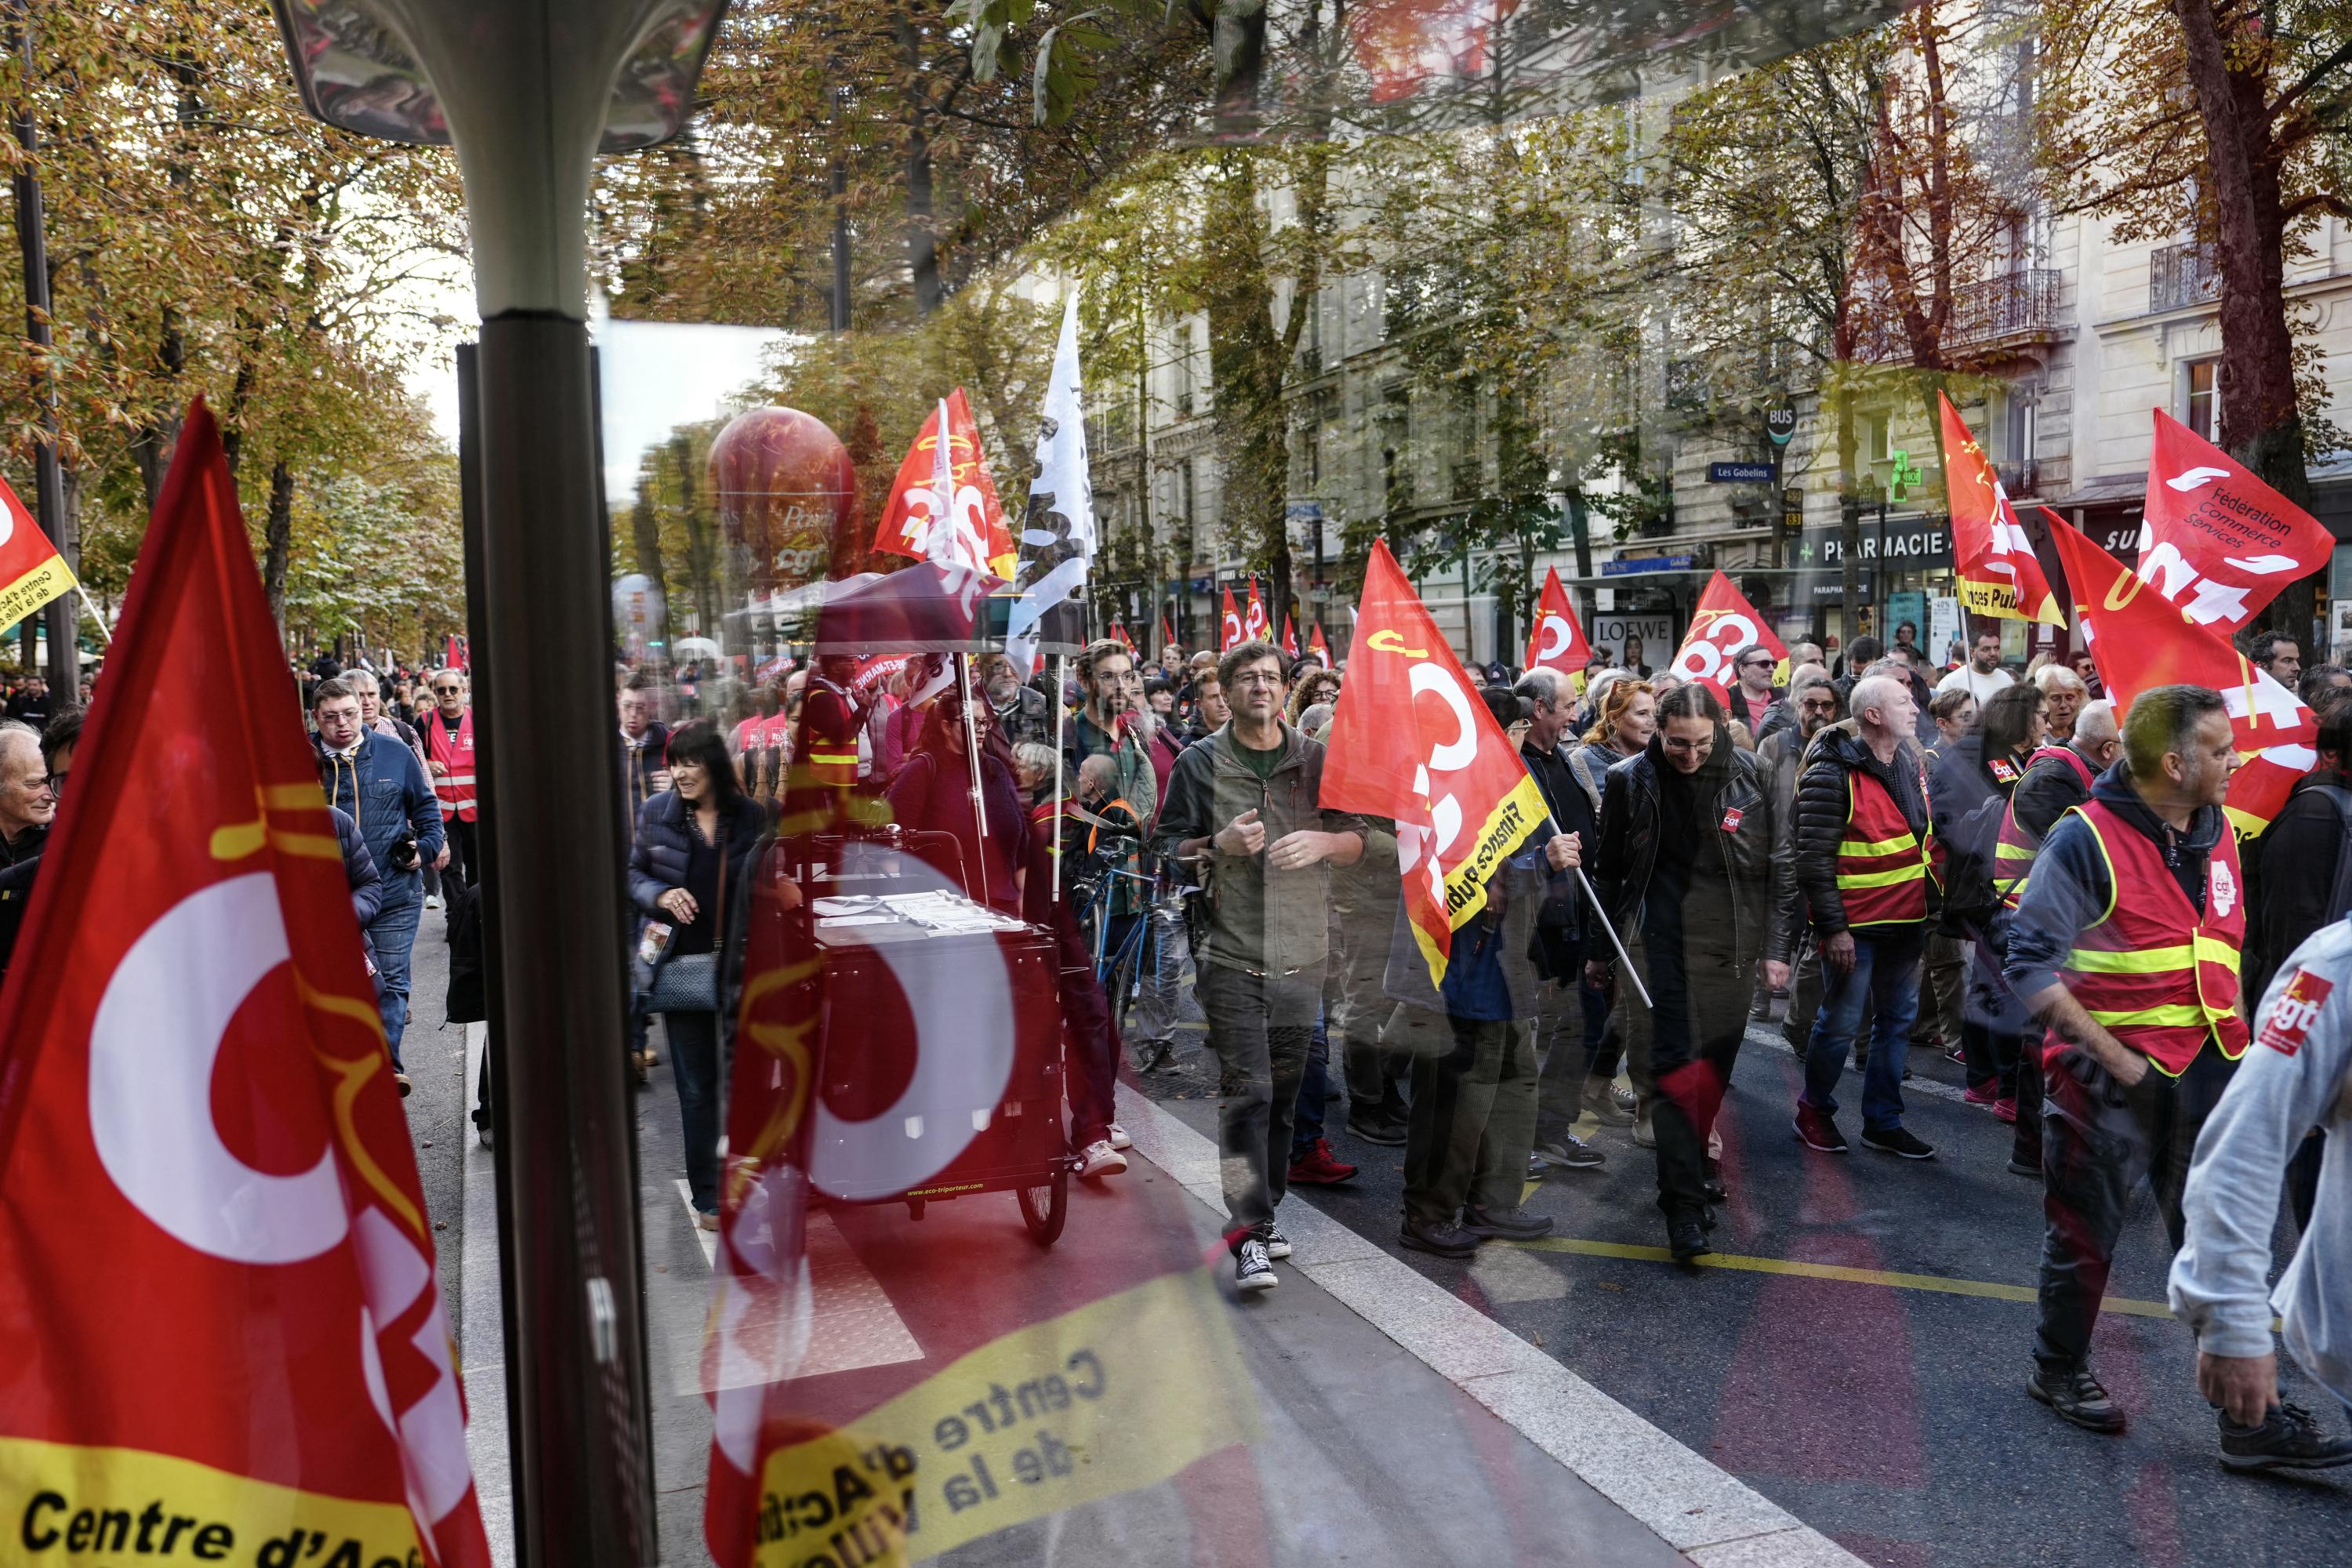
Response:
column 1893, row 1419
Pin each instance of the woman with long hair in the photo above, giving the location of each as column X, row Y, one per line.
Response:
column 932, row 794
column 1627, row 716
column 688, row 876
column 1315, row 686
column 1688, row 875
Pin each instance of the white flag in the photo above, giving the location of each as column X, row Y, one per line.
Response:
column 1057, row 538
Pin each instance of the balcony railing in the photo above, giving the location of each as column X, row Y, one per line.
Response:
column 2182, row 274
column 2012, row 307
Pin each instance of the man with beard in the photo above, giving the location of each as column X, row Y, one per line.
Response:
column 1687, row 871
column 1023, row 714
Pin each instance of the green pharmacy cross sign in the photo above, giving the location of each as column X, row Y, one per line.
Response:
column 1905, row 478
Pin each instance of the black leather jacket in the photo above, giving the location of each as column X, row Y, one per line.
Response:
column 1629, row 851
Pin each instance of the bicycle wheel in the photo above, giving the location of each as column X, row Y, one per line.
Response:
column 1044, row 1209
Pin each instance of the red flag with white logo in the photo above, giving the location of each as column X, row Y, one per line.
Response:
column 953, row 485
column 1229, row 627
column 1410, row 739
column 1289, row 637
column 1255, row 628
column 2215, row 540
column 1724, row 623
column 1991, row 556
column 1317, row 645
column 216, row 1271
column 1555, row 641
column 2140, row 640
column 32, row 573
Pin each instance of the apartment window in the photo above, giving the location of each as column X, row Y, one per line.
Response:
column 2202, row 397
column 1183, row 369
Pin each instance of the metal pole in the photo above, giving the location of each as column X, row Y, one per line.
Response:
column 971, row 756
column 541, row 600
column 1606, row 923
column 1061, row 718
column 49, row 483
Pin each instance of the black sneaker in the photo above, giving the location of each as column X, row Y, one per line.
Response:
column 1444, row 1239
column 1253, row 1270
column 2018, row 1167
column 1569, row 1153
column 1381, row 1131
column 1818, row 1131
column 2288, row 1439
column 2077, row 1396
column 1687, row 1241
column 1277, row 1243
column 1713, row 1183
column 1898, row 1141
column 1513, row 1225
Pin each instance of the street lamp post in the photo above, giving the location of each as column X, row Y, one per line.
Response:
column 529, row 92
column 48, row 482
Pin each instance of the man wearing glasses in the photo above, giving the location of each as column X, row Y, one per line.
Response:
column 1754, row 665
column 449, row 756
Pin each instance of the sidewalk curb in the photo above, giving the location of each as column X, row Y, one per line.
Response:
column 482, row 1328
column 1702, row 1510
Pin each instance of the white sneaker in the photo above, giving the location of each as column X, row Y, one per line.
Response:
column 1253, row 1270
column 432, row 901
column 1099, row 1159
column 1118, row 1138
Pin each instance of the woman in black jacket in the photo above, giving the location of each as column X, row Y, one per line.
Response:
column 1688, row 875
column 686, row 877
column 1972, row 792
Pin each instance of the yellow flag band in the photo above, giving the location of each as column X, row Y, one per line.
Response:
column 34, row 589
column 1992, row 596
column 66, row 1503
column 1513, row 821
column 1118, row 1395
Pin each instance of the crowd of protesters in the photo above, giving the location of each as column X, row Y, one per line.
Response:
column 1880, row 850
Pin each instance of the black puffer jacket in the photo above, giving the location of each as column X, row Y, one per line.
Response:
column 1822, row 803
column 1628, row 850
column 659, row 863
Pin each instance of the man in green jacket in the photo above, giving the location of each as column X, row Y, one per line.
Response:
column 1242, row 817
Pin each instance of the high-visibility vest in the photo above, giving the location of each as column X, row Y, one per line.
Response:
column 828, row 735
column 1881, row 866
column 2151, row 970
column 454, row 787
column 2013, row 851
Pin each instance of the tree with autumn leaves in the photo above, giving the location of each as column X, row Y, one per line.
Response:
column 205, row 237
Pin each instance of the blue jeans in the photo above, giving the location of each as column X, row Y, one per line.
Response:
column 693, row 1068
column 1885, row 974
column 390, row 936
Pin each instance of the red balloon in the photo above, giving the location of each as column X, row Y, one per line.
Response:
column 785, row 489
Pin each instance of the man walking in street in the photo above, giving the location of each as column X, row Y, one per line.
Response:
column 1243, row 812
column 450, row 754
column 1982, row 675
column 2298, row 1078
column 1865, row 848
column 2280, row 657
column 2057, row 779
column 2125, row 946
column 376, row 779
column 1566, row 1009
column 1752, row 697
column 1112, row 725
column 1023, row 714
column 1780, row 758
column 645, row 746
column 30, row 706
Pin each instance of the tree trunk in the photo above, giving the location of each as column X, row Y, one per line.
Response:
column 1245, row 366
column 276, row 541
column 2261, row 424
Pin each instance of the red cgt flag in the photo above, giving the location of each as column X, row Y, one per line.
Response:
column 1724, row 623
column 1255, row 628
column 2139, row 640
column 1229, row 629
column 2218, row 541
column 1994, row 559
column 1318, row 647
column 1555, row 641
column 1411, row 741
column 216, row 1273
column 1289, row 637
column 32, row 573
column 907, row 521
column 1167, row 632
column 1119, row 635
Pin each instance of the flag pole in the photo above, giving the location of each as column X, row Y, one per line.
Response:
column 1061, row 717
column 972, row 755
column 104, row 630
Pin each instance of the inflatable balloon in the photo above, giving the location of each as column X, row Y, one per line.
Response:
column 786, row 491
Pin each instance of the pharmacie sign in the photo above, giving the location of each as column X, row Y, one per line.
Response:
column 1911, row 543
